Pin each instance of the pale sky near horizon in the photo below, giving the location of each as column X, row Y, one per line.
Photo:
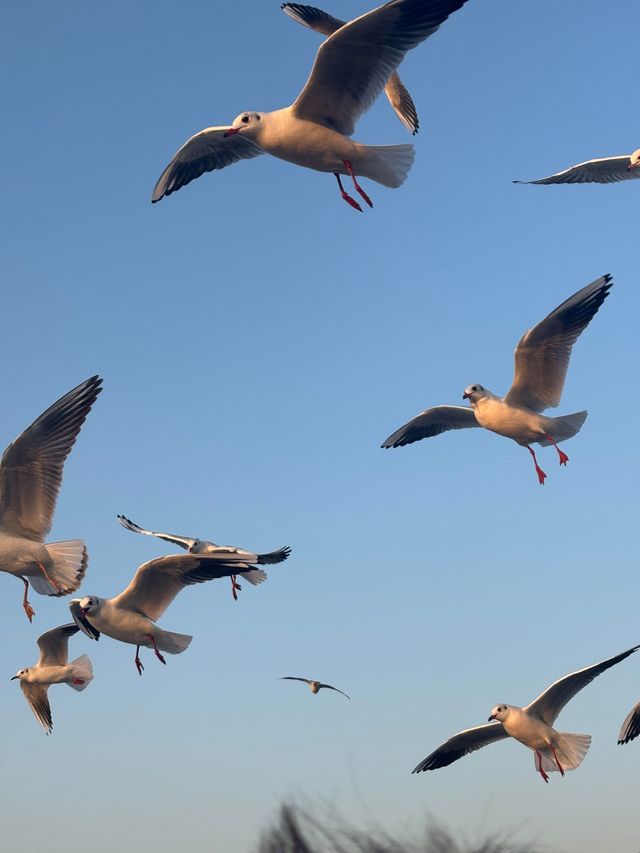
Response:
column 258, row 341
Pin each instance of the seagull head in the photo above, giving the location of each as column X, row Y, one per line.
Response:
column 634, row 160
column 245, row 123
column 89, row 604
column 473, row 393
column 500, row 712
column 21, row 675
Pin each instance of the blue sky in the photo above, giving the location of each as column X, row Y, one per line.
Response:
column 258, row 340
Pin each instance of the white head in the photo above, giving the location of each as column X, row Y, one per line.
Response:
column 21, row 675
column 634, row 160
column 500, row 712
column 248, row 123
column 473, row 393
column 89, row 604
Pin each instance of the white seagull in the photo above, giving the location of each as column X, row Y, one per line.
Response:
column 314, row 685
column 130, row 617
column 52, row 668
column 30, row 478
column 351, row 68
column 631, row 727
column 542, row 359
column 605, row 170
column 395, row 90
column 203, row 546
column 531, row 725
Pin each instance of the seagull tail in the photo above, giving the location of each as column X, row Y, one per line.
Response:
column 564, row 427
column 255, row 576
column 570, row 749
column 68, row 567
column 81, row 672
column 389, row 165
column 167, row 641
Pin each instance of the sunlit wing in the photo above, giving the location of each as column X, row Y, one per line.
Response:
column 54, row 645
column 432, row 422
column 605, row 170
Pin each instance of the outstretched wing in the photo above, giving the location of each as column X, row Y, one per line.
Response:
column 330, row 687
column 542, row 355
column 462, row 744
column 605, row 170
column 182, row 541
column 31, row 466
column 549, row 704
column 631, row 726
column 207, row 151
column 432, row 422
column 293, row 678
column 54, row 645
column 38, row 699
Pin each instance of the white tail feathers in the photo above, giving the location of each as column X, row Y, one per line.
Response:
column 389, row 165
column 81, row 672
column 255, row 576
column 565, row 427
column 167, row 641
column 570, row 749
column 68, row 567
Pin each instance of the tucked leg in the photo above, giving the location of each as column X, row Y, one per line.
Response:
column 558, row 765
column 345, row 195
column 235, row 587
column 541, row 475
column 156, row 649
column 28, row 609
column 138, row 662
column 563, row 456
column 539, row 767
column 349, row 169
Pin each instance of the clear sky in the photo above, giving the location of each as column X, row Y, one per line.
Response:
column 258, row 340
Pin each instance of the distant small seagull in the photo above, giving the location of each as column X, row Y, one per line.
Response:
column 395, row 90
column 351, row 69
column 606, row 170
column 52, row 668
column 314, row 685
column 631, row 726
column 130, row 616
column 202, row 546
column 531, row 725
column 30, row 478
column 542, row 359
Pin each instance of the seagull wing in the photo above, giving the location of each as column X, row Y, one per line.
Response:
column 432, row 422
column 38, row 699
column 353, row 65
column 54, row 645
column 606, row 170
column 81, row 620
column 549, row 704
column 462, row 744
column 631, row 726
column 31, row 466
column 182, row 541
column 330, row 687
column 326, row 24
column 293, row 678
column 542, row 355
column 205, row 152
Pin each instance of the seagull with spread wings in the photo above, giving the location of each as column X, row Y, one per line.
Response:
column 130, row 617
column 351, row 69
column 30, row 478
column 203, row 546
column 542, row 358
column 314, row 685
column 53, row 668
column 604, row 170
column 531, row 725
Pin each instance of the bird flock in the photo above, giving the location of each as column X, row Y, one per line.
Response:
column 355, row 63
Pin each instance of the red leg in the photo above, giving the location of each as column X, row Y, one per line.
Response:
column 156, row 649
column 235, row 588
column 53, row 583
column 345, row 195
column 349, row 169
column 539, row 767
column 77, row 680
column 563, row 456
column 28, row 609
column 558, row 765
column 138, row 662
column 541, row 475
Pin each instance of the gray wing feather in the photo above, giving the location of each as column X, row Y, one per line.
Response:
column 432, row 422
column 54, row 645
column 183, row 541
column 462, row 744
column 631, row 727
column 38, row 699
column 331, row 687
column 606, row 170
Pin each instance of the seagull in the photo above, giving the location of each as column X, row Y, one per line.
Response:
column 542, row 359
column 531, row 725
column 605, row 170
column 314, row 685
column 130, row 616
column 202, row 546
column 351, row 68
column 395, row 90
column 30, row 478
column 52, row 668
column 631, row 726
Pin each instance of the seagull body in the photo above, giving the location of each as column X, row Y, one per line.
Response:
column 541, row 363
column 351, row 68
column 314, row 686
column 131, row 616
column 531, row 725
column 203, row 546
column 630, row 729
column 604, row 170
column 30, row 478
column 53, row 668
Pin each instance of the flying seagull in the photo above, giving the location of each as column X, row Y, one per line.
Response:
column 395, row 90
column 351, row 68
column 531, row 725
column 202, row 546
column 30, row 478
column 52, row 668
column 314, row 685
column 631, row 726
column 605, row 170
column 130, row 617
column 542, row 359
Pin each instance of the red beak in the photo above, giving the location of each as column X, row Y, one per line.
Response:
column 231, row 131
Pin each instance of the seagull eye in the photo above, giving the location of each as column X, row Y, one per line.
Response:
column 245, row 119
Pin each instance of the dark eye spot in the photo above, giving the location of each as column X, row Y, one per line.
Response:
column 245, row 119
